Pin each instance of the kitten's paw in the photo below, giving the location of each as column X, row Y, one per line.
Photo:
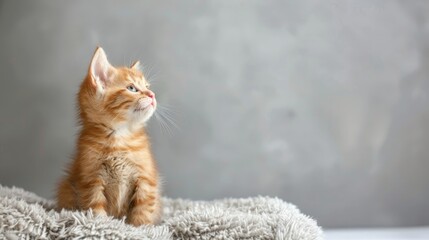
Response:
column 138, row 220
column 99, row 212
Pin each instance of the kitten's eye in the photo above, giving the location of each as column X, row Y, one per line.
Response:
column 132, row 88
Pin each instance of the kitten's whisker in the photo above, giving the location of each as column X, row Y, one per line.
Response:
column 151, row 79
column 149, row 69
column 169, row 130
column 166, row 124
column 168, row 114
column 169, row 119
column 153, row 76
column 149, row 73
column 163, row 107
column 163, row 125
column 168, row 108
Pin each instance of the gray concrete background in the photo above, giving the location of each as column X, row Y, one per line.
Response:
column 322, row 103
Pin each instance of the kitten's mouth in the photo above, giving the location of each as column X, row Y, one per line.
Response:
column 140, row 109
column 145, row 104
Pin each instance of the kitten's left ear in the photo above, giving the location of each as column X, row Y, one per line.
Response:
column 99, row 69
column 136, row 66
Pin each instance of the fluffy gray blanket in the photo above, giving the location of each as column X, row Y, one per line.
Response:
column 24, row 215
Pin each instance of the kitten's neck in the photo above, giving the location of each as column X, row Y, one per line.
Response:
column 112, row 136
column 123, row 131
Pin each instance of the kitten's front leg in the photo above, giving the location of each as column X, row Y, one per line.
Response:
column 145, row 205
column 93, row 196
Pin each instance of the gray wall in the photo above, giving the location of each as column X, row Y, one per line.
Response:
column 322, row 103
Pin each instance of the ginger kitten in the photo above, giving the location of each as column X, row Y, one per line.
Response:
column 113, row 171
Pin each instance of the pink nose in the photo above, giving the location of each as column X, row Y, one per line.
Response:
column 151, row 94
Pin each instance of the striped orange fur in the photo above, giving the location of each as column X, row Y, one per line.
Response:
column 113, row 171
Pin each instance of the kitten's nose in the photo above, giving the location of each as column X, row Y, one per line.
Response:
column 150, row 94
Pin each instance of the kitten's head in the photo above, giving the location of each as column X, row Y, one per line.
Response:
column 117, row 97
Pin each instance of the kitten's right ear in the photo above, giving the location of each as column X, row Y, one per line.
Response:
column 99, row 69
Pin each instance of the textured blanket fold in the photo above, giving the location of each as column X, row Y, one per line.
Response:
column 24, row 215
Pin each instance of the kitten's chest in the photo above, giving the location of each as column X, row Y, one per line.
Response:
column 118, row 168
column 119, row 175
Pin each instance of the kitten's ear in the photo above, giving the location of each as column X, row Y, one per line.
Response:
column 99, row 69
column 136, row 66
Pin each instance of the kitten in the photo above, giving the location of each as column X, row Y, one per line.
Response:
column 113, row 172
